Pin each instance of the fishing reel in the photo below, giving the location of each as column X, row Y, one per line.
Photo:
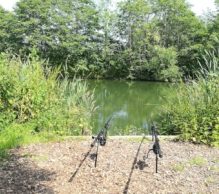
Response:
column 156, row 149
column 99, row 139
column 102, row 141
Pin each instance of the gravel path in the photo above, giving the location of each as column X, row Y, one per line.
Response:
column 68, row 167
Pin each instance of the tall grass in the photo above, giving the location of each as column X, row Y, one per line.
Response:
column 34, row 101
column 193, row 113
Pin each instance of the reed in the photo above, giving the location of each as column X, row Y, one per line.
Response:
column 193, row 113
column 32, row 95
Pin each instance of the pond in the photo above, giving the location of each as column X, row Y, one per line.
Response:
column 133, row 104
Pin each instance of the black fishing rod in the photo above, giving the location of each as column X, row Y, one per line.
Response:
column 156, row 146
column 101, row 138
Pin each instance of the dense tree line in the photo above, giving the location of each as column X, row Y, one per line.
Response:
column 141, row 39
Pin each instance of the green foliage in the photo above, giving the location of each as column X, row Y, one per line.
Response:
column 163, row 64
column 154, row 32
column 7, row 32
column 61, row 31
column 94, row 41
column 194, row 113
column 31, row 92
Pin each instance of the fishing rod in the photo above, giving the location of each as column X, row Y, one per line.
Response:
column 101, row 138
column 156, row 146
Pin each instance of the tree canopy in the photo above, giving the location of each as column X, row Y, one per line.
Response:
column 140, row 39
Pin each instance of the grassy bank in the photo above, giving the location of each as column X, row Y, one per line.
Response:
column 193, row 113
column 37, row 104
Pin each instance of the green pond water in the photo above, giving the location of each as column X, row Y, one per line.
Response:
column 133, row 104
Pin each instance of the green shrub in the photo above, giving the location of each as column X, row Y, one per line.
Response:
column 31, row 92
column 164, row 62
column 194, row 112
column 25, row 90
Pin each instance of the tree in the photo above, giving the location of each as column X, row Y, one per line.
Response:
column 165, row 24
column 60, row 30
column 7, row 30
column 213, row 32
column 135, row 32
column 131, row 42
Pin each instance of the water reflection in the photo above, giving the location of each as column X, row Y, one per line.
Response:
column 132, row 104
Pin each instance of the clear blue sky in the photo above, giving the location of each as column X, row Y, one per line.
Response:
column 198, row 6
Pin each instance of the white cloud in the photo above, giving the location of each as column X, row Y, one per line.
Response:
column 8, row 4
column 201, row 6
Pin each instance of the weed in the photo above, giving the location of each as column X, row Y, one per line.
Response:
column 179, row 167
column 214, row 169
column 36, row 105
column 198, row 161
column 193, row 112
column 211, row 180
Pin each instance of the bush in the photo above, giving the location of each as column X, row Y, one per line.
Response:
column 194, row 112
column 163, row 64
column 31, row 92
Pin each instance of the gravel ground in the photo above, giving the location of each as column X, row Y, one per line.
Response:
column 68, row 167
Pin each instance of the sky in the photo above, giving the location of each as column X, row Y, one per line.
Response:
column 201, row 6
column 198, row 6
column 8, row 4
